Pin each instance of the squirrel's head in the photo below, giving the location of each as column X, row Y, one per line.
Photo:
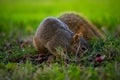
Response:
column 79, row 44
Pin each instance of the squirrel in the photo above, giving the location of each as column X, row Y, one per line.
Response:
column 52, row 33
column 78, row 24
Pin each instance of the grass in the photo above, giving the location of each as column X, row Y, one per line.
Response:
column 19, row 60
column 29, row 13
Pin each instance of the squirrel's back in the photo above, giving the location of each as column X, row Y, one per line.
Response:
column 78, row 24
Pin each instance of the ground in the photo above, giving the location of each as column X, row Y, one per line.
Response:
column 19, row 60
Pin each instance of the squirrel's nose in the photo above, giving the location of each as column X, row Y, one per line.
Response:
column 84, row 44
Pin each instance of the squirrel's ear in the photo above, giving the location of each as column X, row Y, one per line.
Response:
column 76, row 37
column 80, row 34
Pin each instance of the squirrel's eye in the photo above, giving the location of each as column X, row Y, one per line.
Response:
column 84, row 48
